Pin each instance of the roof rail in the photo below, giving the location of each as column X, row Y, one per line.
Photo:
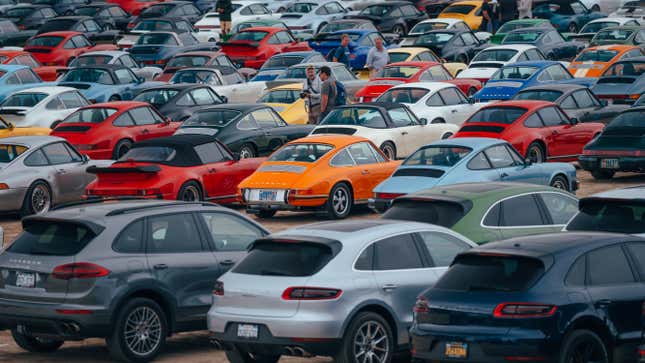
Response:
column 121, row 211
column 94, row 200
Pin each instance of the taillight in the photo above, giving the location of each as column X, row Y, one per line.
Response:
column 79, row 270
column 311, row 293
column 131, row 25
column 218, row 289
column 387, row 195
column 421, row 306
column 523, row 310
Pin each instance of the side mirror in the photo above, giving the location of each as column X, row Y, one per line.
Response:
column 528, row 162
column 574, row 121
column 423, row 121
column 167, row 120
column 140, row 80
column 471, row 100
column 86, row 159
column 11, row 125
column 224, row 99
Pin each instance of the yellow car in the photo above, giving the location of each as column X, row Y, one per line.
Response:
column 470, row 11
column 7, row 129
column 413, row 54
column 286, row 101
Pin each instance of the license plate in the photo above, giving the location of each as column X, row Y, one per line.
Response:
column 609, row 163
column 268, row 195
column 248, row 331
column 456, row 350
column 25, row 279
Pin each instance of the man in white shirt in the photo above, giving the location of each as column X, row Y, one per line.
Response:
column 377, row 58
column 524, row 9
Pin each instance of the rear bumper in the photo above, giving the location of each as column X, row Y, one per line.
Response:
column 11, row 199
column 625, row 163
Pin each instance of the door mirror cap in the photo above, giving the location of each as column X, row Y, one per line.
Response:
column 86, row 159
column 574, row 121
column 423, row 121
column 471, row 100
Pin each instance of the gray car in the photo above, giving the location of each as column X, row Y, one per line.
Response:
column 133, row 272
column 37, row 172
column 341, row 289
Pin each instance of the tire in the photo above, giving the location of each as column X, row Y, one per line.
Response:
column 471, row 91
column 266, row 213
column 560, row 182
column 38, row 199
column 123, row 348
column 583, row 346
column 247, row 151
column 399, row 30
column 340, row 201
column 35, row 345
column 536, row 153
column 389, row 150
column 240, row 355
column 600, row 174
column 447, row 135
column 358, row 340
column 190, row 192
column 122, row 147
column 462, row 59
column 114, row 98
column 573, row 28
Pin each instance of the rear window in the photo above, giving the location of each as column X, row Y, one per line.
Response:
column 606, row 216
column 52, row 239
column 283, row 61
column 253, row 36
column 491, row 273
column 438, row 155
column 441, row 213
column 305, row 153
column 499, row 115
column 158, row 154
column 24, row 99
column 44, row 41
column 596, row 56
column 285, row 259
column 538, row 95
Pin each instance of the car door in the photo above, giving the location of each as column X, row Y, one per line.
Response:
column 218, row 178
column 249, row 132
column 149, row 123
column 457, row 108
column 559, row 208
column 410, row 132
column 70, row 178
column 367, row 161
column 127, row 80
column 441, row 248
column 269, row 127
column 509, row 168
column 181, row 261
column 556, row 133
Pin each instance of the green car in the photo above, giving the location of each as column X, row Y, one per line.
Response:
column 517, row 24
column 486, row 212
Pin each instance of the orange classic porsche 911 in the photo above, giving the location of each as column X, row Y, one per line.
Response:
column 329, row 173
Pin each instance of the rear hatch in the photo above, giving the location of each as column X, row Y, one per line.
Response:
column 259, row 285
column 620, row 138
column 44, row 50
column 123, row 179
column 482, row 129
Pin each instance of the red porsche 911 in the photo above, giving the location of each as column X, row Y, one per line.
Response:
column 61, row 48
column 251, row 47
column 19, row 57
column 108, row 130
column 183, row 167
column 415, row 71
column 539, row 130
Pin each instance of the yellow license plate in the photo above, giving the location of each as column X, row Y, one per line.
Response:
column 456, row 350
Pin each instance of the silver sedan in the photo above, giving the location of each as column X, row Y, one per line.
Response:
column 38, row 172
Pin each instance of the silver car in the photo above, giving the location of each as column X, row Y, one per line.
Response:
column 37, row 172
column 340, row 289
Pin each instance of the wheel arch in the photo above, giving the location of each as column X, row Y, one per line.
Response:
column 595, row 325
column 53, row 193
column 148, row 290
column 542, row 144
column 378, row 307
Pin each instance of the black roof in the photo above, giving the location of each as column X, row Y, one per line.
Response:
column 533, row 28
column 184, row 146
column 177, row 86
column 71, row 17
column 392, row 3
column 385, row 105
column 107, row 67
column 242, row 107
column 34, row 6
column 98, row 5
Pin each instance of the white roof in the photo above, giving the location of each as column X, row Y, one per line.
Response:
column 637, row 192
column 619, row 20
column 517, row 47
column 430, row 86
column 50, row 90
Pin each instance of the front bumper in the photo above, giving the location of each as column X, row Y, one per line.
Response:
column 379, row 205
column 11, row 199
column 625, row 163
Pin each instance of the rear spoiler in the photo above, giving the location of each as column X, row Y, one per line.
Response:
column 146, row 169
column 248, row 44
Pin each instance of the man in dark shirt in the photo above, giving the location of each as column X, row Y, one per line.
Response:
column 224, row 8
column 327, row 92
column 341, row 54
column 507, row 10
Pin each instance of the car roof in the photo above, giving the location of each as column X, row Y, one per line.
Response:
column 108, row 67
column 527, row 104
column 533, row 28
column 50, row 90
column 120, row 105
column 518, row 47
column 441, row 20
column 537, row 64
column 268, row 29
column 420, row 64
column 113, row 53
column 634, row 59
column 317, row 64
column 472, row 191
column 177, row 86
column 72, row 17
column 565, row 88
column 616, row 47
column 63, row 34
column 360, row 32
column 385, row 105
column 612, row 18
column 408, row 50
column 242, row 107
column 391, row 3
column 30, row 141
column 289, row 86
column 301, row 53
column 182, row 140
column 430, row 86
column 470, row 142
column 352, row 20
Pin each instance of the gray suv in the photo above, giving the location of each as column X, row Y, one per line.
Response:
column 131, row 272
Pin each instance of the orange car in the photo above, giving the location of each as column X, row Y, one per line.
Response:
column 329, row 173
column 594, row 61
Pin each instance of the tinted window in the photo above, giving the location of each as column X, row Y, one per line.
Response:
column 583, row 99
column 397, row 253
column 124, row 120
column 442, row 247
column 479, row 162
column 445, row 214
column 619, row 217
column 202, row 96
column 499, row 156
column 530, row 215
column 560, row 207
column 452, row 97
column 342, row 159
column 230, row 233
column 130, row 240
column 37, row 158
column 504, row 115
column 533, row 121
column 551, row 117
column 57, row 153
column 285, row 259
column 577, row 274
column 435, row 100
column 613, row 256
column 173, row 233
column 492, row 218
column 366, row 260
column 73, row 99
column 142, row 116
column 568, row 103
column 52, row 239
column 264, row 119
column 209, row 153
column 638, row 252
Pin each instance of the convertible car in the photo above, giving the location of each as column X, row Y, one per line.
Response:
column 623, row 82
column 286, row 101
column 182, row 167
column 392, row 126
column 462, row 160
column 178, row 101
column 594, row 61
column 318, row 173
column 253, row 46
column 22, row 58
column 539, row 130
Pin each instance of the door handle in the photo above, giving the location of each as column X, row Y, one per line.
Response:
column 603, row 303
column 227, row 263
column 554, row 132
column 61, row 171
column 365, row 172
column 212, row 170
column 389, row 287
column 453, row 111
column 161, row 266
column 404, row 133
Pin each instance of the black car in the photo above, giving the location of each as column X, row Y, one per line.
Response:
column 564, row 297
column 396, row 17
column 28, row 17
column 178, row 101
column 450, row 44
column 549, row 40
column 11, row 36
column 62, row 7
column 82, row 24
column 248, row 129
column 176, row 25
column 576, row 100
column 109, row 16
column 213, row 75
column 433, row 7
column 347, row 24
column 172, row 9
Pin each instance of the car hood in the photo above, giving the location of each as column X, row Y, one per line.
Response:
column 409, row 179
column 500, row 90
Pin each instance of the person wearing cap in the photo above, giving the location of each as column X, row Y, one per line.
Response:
column 311, row 94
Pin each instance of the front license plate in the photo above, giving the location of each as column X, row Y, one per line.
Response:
column 25, row 279
column 609, row 163
column 268, row 195
column 248, row 331
column 456, row 350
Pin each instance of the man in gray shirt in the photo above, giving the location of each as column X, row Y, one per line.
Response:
column 327, row 92
column 311, row 94
column 377, row 58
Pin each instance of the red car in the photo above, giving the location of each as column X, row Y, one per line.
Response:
column 19, row 57
column 192, row 59
column 134, row 7
column 108, row 130
column 251, row 47
column 60, row 48
column 539, row 130
column 184, row 167
column 407, row 72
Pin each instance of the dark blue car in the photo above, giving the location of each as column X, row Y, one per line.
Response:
column 155, row 48
column 279, row 63
column 564, row 297
column 361, row 41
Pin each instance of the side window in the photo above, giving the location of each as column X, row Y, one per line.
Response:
column 342, row 74
column 69, row 45
column 322, row 11
column 499, row 156
column 130, row 240
column 427, row 56
column 124, row 76
column 530, row 215
column 55, row 104
column 274, row 39
column 57, row 153
column 186, row 100
column 558, row 73
column 523, row 57
column 37, row 158
column 247, row 123
column 492, row 218
column 230, row 233
column 397, row 253
column 92, row 26
column 568, row 103
column 640, row 37
column 479, row 162
column 577, row 273
column 173, row 233
column 128, row 61
column 124, row 120
column 27, row 60
column 142, row 116
column 545, row 76
column 264, row 119
column 469, row 39
column 284, row 38
column 452, row 96
column 202, row 97
column 619, row 273
column 458, row 42
column 551, row 117
column 80, row 27
column 246, row 11
column 81, row 41
column 400, row 117
column 396, row 13
column 560, row 207
column 209, row 153
column 342, row 159
column 182, row 25
column 362, row 153
column 533, row 121
column 365, row 261
column 534, row 54
column 76, row 157
column 435, row 100
column 27, row 76
column 583, row 99
column 637, row 250
column 72, row 99
column 442, row 247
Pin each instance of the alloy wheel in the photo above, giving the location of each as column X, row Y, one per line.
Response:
column 586, row 351
column 558, row 183
column 190, row 194
column 371, row 343
column 40, row 199
column 340, row 201
column 246, row 153
column 535, row 154
column 142, row 331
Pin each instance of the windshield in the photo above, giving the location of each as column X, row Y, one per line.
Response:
column 155, row 154
column 249, row 36
column 426, row 27
column 596, row 56
column 8, row 152
column 376, row 10
column 152, row 25
column 397, row 72
column 90, row 60
column 538, row 95
column 305, row 153
column 285, row 259
column 188, row 61
column 514, row 73
column 613, row 35
column 212, row 118
column 521, row 37
column 630, row 69
column 595, row 27
column 92, row 115
column 90, row 75
column 24, row 99
column 438, row 155
column 281, row 96
column 156, row 38
column 609, row 216
column 434, row 38
column 44, row 41
column 52, row 238
column 500, row 115
column 157, row 97
column 301, row 8
column 402, row 95
column 282, row 61
column 356, row 116
column 495, row 55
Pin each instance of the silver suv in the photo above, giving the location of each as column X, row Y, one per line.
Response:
column 341, row 289
column 132, row 272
